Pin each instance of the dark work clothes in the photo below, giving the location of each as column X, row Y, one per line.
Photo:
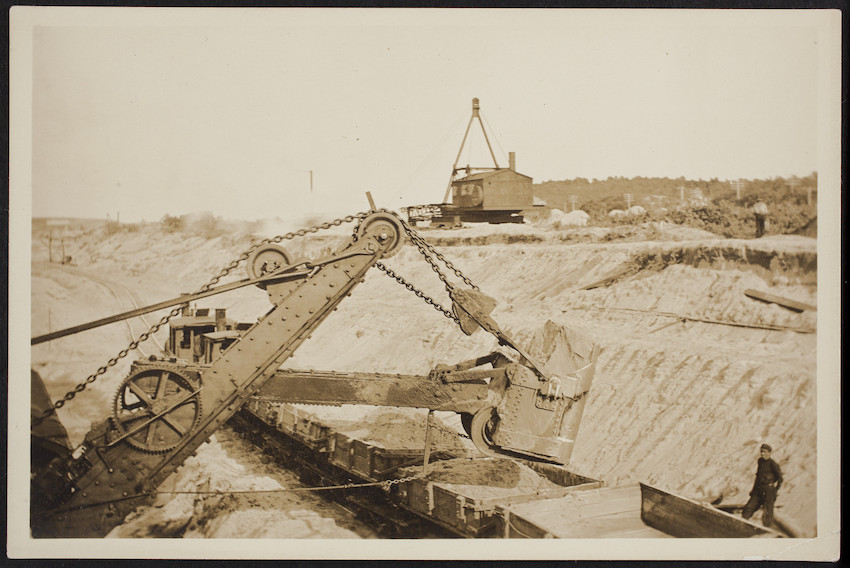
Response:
column 768, row 481
column 760, row 225
column 768, row 473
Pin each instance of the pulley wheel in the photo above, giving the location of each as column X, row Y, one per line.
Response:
column 266, row 260
column 386, row 228
column 156, row 408
column 481, row 429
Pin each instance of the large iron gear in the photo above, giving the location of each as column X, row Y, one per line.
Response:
column 156, row 408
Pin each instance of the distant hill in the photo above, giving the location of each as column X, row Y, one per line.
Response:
column 73, row 223
column 662, row 192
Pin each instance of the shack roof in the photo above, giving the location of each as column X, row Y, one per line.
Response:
column 194, row 321
column 214, row 335
column 485, row 175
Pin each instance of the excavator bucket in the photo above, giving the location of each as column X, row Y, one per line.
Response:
column 539, row 417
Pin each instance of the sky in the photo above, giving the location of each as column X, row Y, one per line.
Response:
column 140, row 113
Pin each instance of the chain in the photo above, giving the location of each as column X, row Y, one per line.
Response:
column 165, row 319
column 386, row 484
column 275, row 240
column 425, row 247
column 412, row 288
column 429, row 252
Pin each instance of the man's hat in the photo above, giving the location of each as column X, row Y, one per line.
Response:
column 766, row 447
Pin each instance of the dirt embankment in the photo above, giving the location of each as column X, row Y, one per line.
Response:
column 684, row 406
column 230, row 490
column 489, row 478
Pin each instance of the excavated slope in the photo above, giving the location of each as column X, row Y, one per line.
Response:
column 682, row 405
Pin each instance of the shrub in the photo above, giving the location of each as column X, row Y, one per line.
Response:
column 171, row 224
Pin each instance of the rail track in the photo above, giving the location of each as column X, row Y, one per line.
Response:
column 123, row 296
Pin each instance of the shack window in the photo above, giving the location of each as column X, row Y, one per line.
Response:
column 186, row 339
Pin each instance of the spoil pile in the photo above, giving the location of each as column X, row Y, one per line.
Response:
column 681, row 406
column 486, row 478
column 229, row 490
column 394, row 430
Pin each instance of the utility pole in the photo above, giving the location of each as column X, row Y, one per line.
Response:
column 50, row 245
column 737, row 184
column 793, row 182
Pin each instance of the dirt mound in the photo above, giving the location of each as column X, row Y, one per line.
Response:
column 684, row 406
column 395, row 430
column 810, row 229
column 548, row 231
column 229, row 490
column 486, row 478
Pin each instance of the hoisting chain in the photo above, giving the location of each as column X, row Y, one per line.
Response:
column 165, row 319
column 423, row 295
column 429, row 252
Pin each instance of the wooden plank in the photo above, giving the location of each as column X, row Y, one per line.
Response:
column 609, row 507
column 685, row 518
column 619, row 273
column 774, row 299
column 611, row 512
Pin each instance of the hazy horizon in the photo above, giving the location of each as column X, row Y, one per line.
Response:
column 150, row 112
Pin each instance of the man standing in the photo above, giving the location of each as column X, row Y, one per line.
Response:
column 760, row 211
column 768, row 481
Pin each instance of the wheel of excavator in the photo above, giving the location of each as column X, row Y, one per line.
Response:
column 466, row 422
column 388, row 229
column 480, row 430
column 156, row 408
column 266, row 260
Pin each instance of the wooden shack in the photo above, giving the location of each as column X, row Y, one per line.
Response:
column 493, row 190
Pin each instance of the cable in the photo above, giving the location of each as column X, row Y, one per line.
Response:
column 438, row 145
column 496, row 138
column 387, row 483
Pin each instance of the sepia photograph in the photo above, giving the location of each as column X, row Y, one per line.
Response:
column 416, row 283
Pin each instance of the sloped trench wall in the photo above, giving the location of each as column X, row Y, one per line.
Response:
column 682, row 406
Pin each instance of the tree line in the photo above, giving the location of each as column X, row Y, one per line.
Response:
column 669, row 191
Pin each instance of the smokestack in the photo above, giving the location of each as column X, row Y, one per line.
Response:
column 220, row 320
column 187, row 309
column 512, row 160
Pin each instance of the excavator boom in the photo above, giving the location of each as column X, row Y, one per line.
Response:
column 165, row 409
column 163, row 415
